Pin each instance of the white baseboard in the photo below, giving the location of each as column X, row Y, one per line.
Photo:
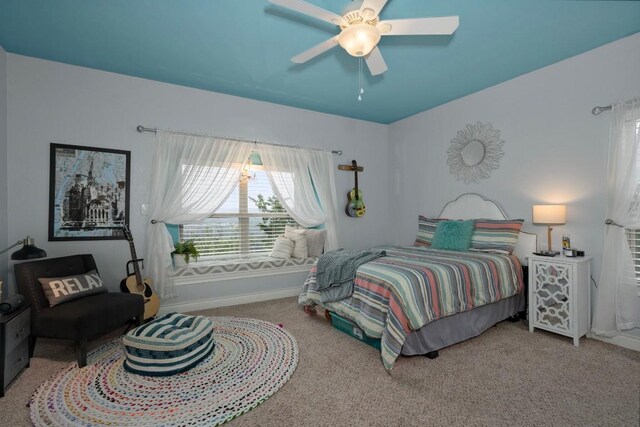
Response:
column 626, row 341
column 186, row 307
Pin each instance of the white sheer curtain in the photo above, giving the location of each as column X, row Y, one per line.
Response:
column 192, row 177
column 321, row 169
column 291, row 171
column 616, row 306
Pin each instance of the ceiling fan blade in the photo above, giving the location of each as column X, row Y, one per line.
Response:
column 374, row 5
column 315, row 51
column 310, row 10
column 445, row 25
column 375, row 62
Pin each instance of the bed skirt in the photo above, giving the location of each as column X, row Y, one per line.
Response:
column 462, row 326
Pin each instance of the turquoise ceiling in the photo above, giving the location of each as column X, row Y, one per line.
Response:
column 243, row 47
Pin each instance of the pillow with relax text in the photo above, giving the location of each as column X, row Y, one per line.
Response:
column 64, row 289
column 453, row 235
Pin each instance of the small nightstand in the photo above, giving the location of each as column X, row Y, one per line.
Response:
column 559, row 295
column 15, row 328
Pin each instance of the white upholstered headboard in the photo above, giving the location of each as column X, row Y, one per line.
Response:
column 475, row 206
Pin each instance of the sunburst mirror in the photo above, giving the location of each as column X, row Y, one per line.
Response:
column 475, row 152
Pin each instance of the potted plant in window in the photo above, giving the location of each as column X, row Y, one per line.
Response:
column 183, row 253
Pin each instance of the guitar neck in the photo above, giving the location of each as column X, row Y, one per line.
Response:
column 356, row 172
column 136, row 268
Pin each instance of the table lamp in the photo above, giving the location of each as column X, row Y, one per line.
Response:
column 549, row 215
column 28, row 251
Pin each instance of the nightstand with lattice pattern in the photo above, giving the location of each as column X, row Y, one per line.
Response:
column 559, row 295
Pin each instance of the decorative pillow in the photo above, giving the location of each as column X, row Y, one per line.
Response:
column 299, row 237
column 453, row 235
column 426, row 230
column 315, row 242
column 496, row 235
column 64, row 289
column 282, row 248
column 526, row 244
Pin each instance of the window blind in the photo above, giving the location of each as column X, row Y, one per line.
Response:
column 633, row 235
column 245, row 226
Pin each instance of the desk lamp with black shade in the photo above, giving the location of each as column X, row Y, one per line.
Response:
column 28, row 251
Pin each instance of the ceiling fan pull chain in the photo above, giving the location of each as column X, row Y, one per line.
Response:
column 360, row 79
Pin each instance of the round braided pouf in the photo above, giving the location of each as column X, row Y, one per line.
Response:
column 251, row 361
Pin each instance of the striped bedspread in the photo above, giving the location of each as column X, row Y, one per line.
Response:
column 413, row 286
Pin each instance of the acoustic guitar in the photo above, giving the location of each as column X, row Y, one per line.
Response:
column 355, row 206
column 134, row 283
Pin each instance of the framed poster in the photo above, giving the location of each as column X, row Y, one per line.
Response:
column 88, row 193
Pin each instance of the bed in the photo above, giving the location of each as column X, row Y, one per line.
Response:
column 418, row 300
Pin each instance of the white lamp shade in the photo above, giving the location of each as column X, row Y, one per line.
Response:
column 359, row 39
column 549, row 214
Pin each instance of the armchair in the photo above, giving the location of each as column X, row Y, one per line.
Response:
column 80, row 320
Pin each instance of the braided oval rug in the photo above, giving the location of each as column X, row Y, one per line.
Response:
column 251, row 361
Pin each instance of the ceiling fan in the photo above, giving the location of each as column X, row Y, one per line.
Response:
column 361, row 30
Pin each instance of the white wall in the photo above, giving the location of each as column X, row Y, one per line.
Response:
column 3, row 164
column 53, row 102
column 555, row 149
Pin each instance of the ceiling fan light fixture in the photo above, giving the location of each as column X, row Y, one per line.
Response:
column 361, row 29
column 359, row 39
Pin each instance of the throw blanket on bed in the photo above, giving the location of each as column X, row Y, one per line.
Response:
column 336, row 270
column 412, row 286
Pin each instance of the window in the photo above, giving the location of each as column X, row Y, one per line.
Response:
column 245, row 226
column 633, row 235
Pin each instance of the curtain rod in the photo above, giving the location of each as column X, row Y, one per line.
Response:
column 141, row 129
column 597, row 109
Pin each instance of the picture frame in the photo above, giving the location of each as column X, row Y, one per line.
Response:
column 89, row 192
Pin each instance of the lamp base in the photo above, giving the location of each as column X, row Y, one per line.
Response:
column 549, row 241
column 11, row 304
column 547, row 253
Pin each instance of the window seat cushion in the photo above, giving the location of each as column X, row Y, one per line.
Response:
column 227, row 266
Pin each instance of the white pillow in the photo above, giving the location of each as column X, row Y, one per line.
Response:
column 299, row 237
column 315, row 242
column 282, row 248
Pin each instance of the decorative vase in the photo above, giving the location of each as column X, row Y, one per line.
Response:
column 179, row 261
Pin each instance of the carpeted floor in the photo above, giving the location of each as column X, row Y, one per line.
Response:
column 506, row 376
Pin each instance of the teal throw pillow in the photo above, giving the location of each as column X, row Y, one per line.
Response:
column 453, row 235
